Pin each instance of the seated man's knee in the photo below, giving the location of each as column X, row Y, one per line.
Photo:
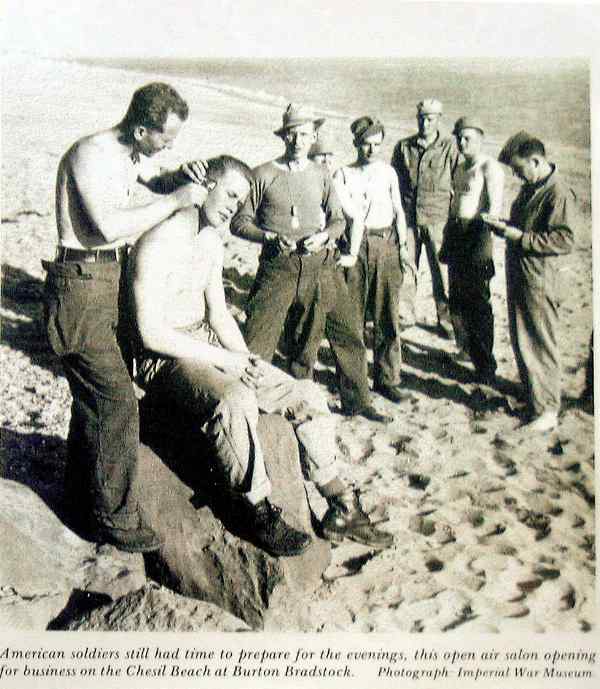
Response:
column 240, row 400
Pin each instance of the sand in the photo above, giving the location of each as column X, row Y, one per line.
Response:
column 493, row 532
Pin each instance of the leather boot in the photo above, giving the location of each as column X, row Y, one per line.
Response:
column 345, row 518
column 270, row 531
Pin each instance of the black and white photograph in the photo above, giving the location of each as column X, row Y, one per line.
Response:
column 297, row 339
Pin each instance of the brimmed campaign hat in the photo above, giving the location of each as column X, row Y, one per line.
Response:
column 467, row 122
column 295, row 115
column 430, row 106
column 366, row 126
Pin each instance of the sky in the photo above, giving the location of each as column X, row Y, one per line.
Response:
column 296, row 28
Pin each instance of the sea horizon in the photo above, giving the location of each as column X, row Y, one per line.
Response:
column 548, row 97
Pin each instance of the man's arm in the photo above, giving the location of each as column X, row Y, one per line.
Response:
column 403, row 174
column 167, row 181
column 335, row 223
column 494, row 183
column 355, row 220
column 243, row 224
column 99, row 179
column 399, row 219
column 557, row 236
column 151, row 261
column 218, row 315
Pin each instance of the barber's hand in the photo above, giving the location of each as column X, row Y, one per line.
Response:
column 315, row 242
column 194, row 170
column 191, row 195
column 346, row 261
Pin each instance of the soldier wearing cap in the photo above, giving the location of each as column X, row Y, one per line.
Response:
column 376, row 250
column 468, row 246
column 539, row 232
column 321, row 152
column 284, row 212
column 425, row 163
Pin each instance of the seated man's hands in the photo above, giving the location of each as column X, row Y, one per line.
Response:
column 245, row 365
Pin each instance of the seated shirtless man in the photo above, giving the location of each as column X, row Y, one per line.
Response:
column 194, row 357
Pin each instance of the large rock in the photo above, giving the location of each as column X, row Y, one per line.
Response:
column 39, row 555
column 153, row 608
column 49, row 574
column 199, row 557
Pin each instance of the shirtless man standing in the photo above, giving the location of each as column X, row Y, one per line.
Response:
column 377, row 251
column 95, row 219
column 468, row 247
column 193, row 357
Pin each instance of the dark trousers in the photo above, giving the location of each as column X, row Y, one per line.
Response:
column 429, row 237
column 310, row 284
column 82, row 320
column 374, row 284
column 471, row 311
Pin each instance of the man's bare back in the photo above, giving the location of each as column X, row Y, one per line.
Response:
column 188, row 260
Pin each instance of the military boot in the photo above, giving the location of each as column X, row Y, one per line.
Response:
column 345, row 518
column 271, row 533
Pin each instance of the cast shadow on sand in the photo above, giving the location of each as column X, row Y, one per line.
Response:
column 22, row 318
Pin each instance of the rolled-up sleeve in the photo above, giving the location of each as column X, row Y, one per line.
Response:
column 243, row 223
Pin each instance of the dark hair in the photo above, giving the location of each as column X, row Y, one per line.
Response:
column 150, row 107
column 529, row 148
column 522, row 145
column 219, row 166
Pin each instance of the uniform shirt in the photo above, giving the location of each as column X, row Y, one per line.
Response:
column 278, row 195
column 425, row 178
column 544, row 212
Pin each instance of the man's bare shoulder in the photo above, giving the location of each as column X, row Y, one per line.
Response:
column 99, row 149
column 170, row 235
column 211, row 242
column 492, row 166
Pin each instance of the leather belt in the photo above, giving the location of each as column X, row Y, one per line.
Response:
column 65, row 254
column 377, row 231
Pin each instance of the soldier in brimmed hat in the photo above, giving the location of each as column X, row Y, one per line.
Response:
column 468, row 247
column 284, row 212
column 425, row 163
column 376, row 252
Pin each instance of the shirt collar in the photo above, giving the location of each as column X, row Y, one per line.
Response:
column 421, row 142
column 534, row 186
column 292, row 165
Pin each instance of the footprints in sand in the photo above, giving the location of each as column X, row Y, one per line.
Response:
column 491, row 533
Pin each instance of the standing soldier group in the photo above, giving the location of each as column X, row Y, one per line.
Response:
column 336, row 247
